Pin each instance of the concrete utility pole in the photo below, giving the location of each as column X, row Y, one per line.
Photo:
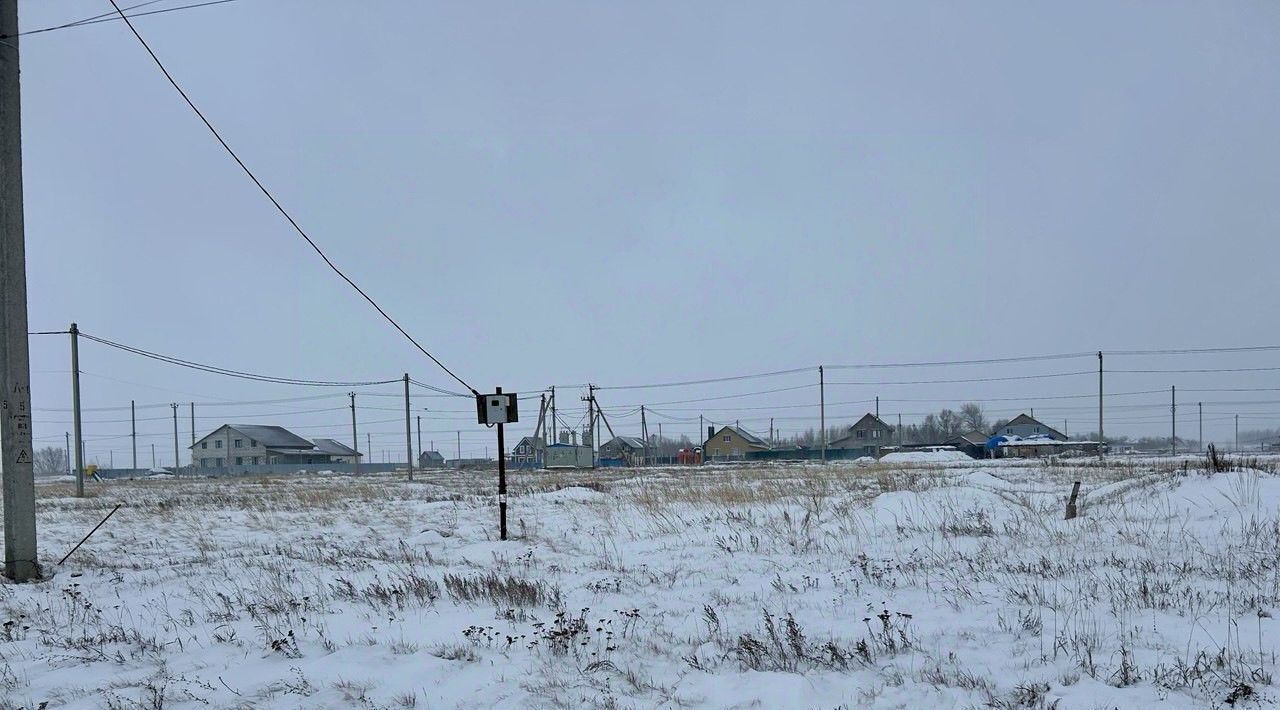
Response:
column 175, row 440
column 1200, row 406
column 459, row 449
column 193, row 433
column 554, row 438
column 355, row 438
column 153, row 456
column 75, row 409
column 1102, row 440
column 419, row 437
column 1173, row 419
column 1237, row 433
column 69, row 471
column 644, row 434
column 133, row 433
column 408, row 428
column 20, row 561
column 822, row 409
column 368, row 443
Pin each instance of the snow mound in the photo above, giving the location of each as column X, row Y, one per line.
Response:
column 572, row 494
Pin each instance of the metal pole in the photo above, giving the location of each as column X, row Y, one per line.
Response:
column 76, row 429
column 1102, row 440
column 822, row 407
column 355, row 437
column 133, row 433
column 175, row 440
column 502, row 483
column 408, row 427
column 20, row 561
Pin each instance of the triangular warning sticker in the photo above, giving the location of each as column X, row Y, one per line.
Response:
column 24, row 456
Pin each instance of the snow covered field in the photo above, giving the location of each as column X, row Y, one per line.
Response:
column 941, row 584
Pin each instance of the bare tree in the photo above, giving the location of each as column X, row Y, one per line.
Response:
column 972, row 418
column 50, row 461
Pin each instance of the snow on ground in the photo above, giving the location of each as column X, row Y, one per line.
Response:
column 924, row 456
column 888, row 585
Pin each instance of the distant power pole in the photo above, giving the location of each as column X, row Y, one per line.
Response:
column 153, row 456
column 408, row 428
column 355, row 437
column 133, row 433
column 554, row 438
column 1102, row 440
column 1173, row 419
column 175, row 440
column 1237, row 433
column 69, row 471
column 1200, row 406
column 419, row 436
column 20, row 562
column 459, row 448
column 193, row 432
column 822, row 411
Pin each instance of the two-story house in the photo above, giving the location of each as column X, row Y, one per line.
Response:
column 1026, row 427
column 866, row 435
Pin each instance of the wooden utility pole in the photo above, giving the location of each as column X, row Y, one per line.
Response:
column 408, row 427
column 20, row 561
column 355, row 437
column 822, row 408
column 502, row 480
column 76, row 428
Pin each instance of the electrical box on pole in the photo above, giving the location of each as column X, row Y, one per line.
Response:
column 498, row 409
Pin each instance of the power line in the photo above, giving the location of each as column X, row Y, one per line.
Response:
column 88, row 20
column 713, row 380
column 1195, row 351
column 172, row 360
column 280, row 208
column 984, row 361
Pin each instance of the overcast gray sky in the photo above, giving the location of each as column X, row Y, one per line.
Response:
column 622, row 193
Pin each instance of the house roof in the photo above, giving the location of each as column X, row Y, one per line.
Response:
column 631, row 442
column 971, row 437
column 867, row 420
column 534, row 441
column 269, row 436
column 746, row 435
column 335, row 448
column 432, row 455
column 273, row 436
column 1026, row 419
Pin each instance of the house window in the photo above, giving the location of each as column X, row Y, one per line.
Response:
column 217, row 444
column 727, row 438
column 1009, row 430
column 239, row 443
column 239, row 460
column 204, row 463
column 255, row 460
column 862, row 434
column 1037, row 430
column 219, row 460
column 253, row 443
column 204, row 444
column 875, row 434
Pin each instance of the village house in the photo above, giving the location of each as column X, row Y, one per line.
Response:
column 430, row 459
column 623, row 451
column 254, row 445
column 973, row 443
column 1026, row 427
column 731, row 443
column 865, row 436
column 528, row 453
